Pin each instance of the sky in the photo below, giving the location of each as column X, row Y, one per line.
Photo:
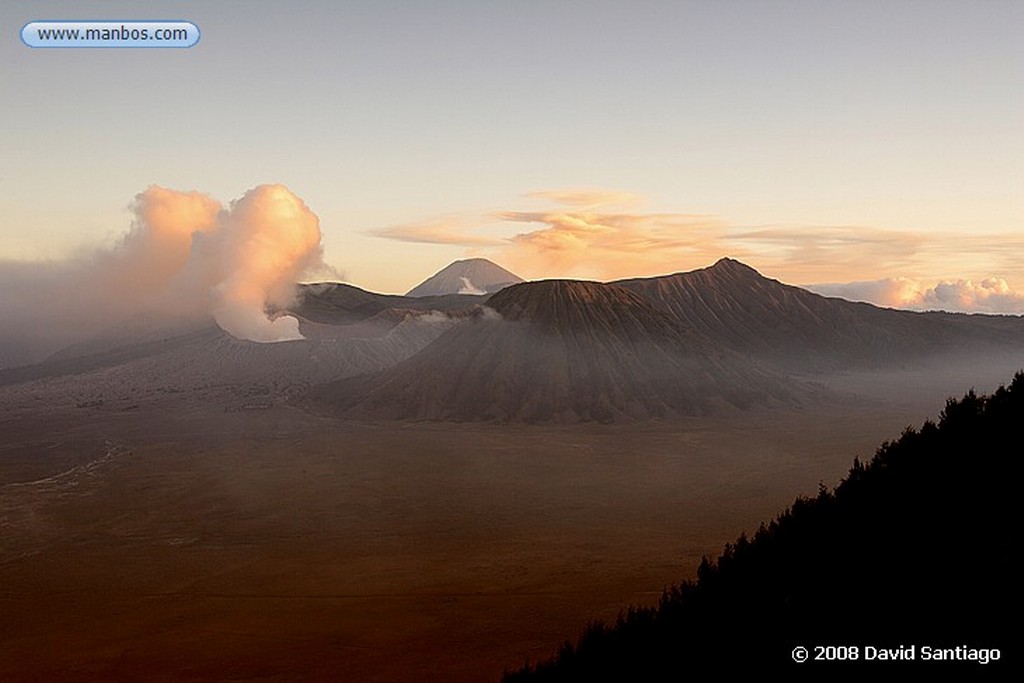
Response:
column 873, row 143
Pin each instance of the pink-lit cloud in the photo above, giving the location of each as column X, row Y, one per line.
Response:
column 253, row 258
column 587, row 198
column 584, row 236
column 608, row 245
column 589, row 235
column 817, row 253
column 184, row 256
column 991, row 295
column 446, row 230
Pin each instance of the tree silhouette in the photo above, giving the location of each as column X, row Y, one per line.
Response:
column 912, row 548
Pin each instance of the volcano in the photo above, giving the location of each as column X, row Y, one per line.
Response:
column 798, row 331
column 470, row 276
column 562, row 351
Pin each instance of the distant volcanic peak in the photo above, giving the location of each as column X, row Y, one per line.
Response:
column 478, row 263
column 468, row 276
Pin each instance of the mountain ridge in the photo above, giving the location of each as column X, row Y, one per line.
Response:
column 796, row 329
column 715, row 339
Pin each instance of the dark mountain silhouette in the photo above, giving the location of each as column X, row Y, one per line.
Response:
column 564, row 351
column 742, row 310
column 912, row 549
column 470, row 276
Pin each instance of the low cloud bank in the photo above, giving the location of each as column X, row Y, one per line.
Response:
column 991, row 295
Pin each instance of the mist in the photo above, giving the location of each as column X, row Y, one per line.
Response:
column 185, row 258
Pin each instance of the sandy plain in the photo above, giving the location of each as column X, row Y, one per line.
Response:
column 202, row 536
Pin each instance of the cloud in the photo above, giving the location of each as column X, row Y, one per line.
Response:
column 991, row 295
column 582, row 237
column 184, row 256
column 446, row 230
column 813, row 253
column 609, row 245
column 252, row 260
column 587, row 198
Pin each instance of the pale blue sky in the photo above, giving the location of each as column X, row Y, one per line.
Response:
column 898, row 119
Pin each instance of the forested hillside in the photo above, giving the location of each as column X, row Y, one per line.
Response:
column 911, row 549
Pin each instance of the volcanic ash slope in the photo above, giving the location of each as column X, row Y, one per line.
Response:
column 562, row 351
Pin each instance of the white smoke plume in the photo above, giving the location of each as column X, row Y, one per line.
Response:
column 185, row 256
column 469, row 288
column 252, row 259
